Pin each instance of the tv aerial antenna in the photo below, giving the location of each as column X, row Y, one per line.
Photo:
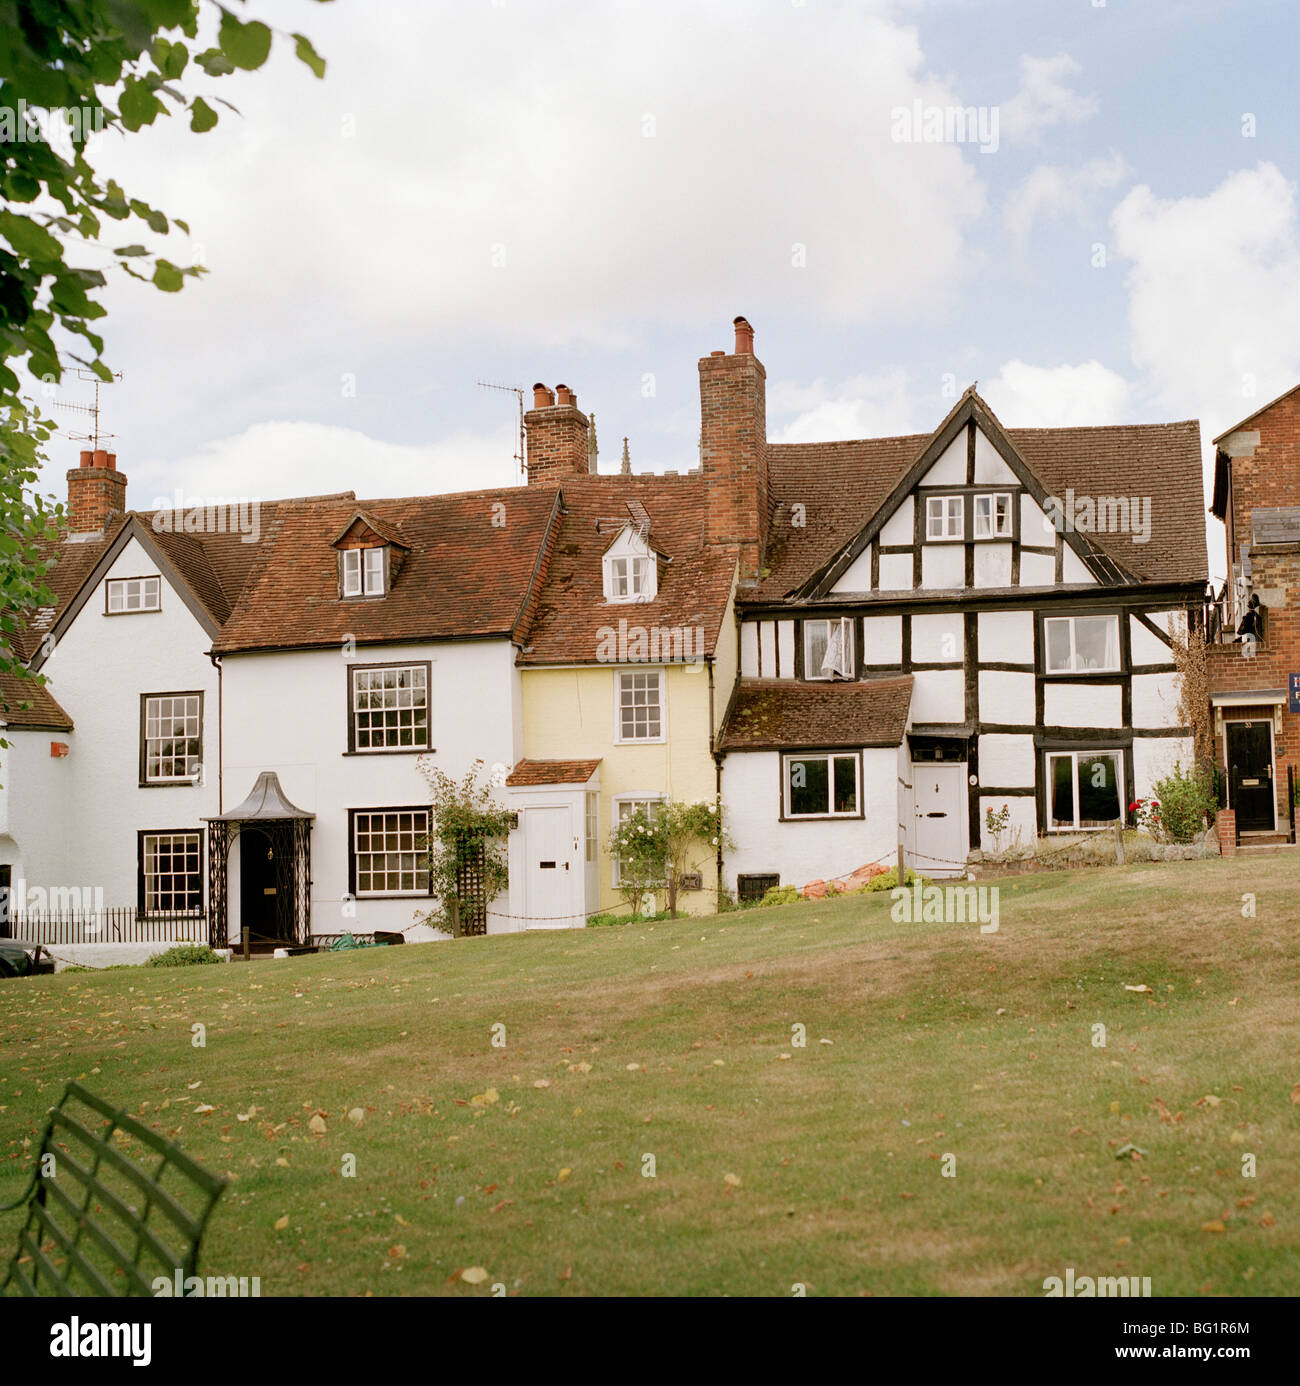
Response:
column 518, row 392
column 95, row 436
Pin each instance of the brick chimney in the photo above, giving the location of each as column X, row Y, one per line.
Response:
column 733, row 449
column 96, row 492
column 557, row 436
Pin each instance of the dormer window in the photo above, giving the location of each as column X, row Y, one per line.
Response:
column 628, row 578
column 631, row 569
column 363, row 572
column 370, row 552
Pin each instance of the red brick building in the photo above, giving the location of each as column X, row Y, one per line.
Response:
column 1252, row 683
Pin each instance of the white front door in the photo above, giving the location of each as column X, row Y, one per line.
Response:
column 551, row 875
column 939, row 802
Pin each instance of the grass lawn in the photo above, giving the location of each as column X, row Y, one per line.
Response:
column 775, row 1164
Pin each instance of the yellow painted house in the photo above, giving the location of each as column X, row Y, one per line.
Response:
column 631, row 655
column 624, row 684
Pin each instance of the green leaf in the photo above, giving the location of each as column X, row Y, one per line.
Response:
column 307, row 54
column 170, row 58
column 139, row 104
column 22, row 188
column 130, row 250
column 202, row 116
column 28, row 239
column 246, row 45
column 167, row 277
column 214, row 62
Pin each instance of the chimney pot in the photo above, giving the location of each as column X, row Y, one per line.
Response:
column 101, row 458
column 86, row 457
column 112, row 461
column 744, row 338
column 542, row 397
column 563, row 395
column 717, row 353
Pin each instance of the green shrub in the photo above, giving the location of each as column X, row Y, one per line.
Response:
column 1186, row 796
column 781, row 895
column 184, row 955
column 887, row 881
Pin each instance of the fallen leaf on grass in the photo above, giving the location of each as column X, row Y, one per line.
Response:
column 564, row 1174
column 732, row 1180
column 474, row 1275
column 1215, row 1226
column 1142, row 987
column 317, row 1125
column 204, row 1107
column 282, row 1223
column 542, row 1083
column 481, row 1099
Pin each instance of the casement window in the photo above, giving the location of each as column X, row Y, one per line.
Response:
column 171, row 737
column 388, row 707
column 622, row 810
column 593, row 826
column 1084, row 789
column 945, row 517
column 388, row 852
column 123, row 596
column 170, row 873
column 829, row 649
column 821, row 785
column 627, row 579
column 1081, row 644
column 363, row 572
column 993, row 516
column 639, row 713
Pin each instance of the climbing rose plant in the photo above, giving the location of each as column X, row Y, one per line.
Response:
column 468, row 829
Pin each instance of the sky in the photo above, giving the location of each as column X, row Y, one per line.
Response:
column 588, row 193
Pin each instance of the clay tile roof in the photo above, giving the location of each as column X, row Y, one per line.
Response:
column 842, row 485
column 466, row 573
column 771, row 714
column 695, row 580
column 552, row 772
column 26, row 703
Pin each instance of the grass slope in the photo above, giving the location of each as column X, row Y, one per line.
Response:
column 674, row 1040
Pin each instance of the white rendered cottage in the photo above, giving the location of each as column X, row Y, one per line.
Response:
column 237, row 707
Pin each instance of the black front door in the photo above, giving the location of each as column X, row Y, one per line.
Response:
column 1250, row 775
column 260, row 907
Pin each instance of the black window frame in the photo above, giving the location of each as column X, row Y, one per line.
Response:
column 353, row 669
column 353, row 893
column 141, row 835
column 191, row 780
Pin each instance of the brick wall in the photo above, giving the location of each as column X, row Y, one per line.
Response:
column 556, row 431
column 733, row 449
column 96, row 492
column 1266, row 475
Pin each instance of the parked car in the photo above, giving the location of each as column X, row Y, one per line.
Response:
column 19, row 958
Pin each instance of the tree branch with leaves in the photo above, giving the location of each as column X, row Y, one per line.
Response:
column 91, row 66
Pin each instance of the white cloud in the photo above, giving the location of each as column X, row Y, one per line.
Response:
column 1045, row 98
column 1055, row 192
column 1214, row 294
column 1025, row 396
column 291, row 458
column 486, row 168
column 862, row 407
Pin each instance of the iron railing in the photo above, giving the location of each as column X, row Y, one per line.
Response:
column 117, row 925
